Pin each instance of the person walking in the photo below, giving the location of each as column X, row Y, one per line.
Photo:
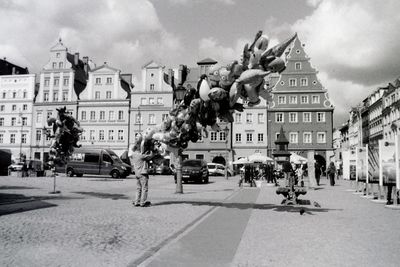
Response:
column 317, row 172
column 139, row 163
column 331, row 173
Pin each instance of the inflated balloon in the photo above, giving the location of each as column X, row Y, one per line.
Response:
column 213, row 76
column 217, row 94
column 204, row 90
column 261, row 43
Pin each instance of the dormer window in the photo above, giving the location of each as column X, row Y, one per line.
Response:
column 298, row 66
column 58, row 55
column 152, row 87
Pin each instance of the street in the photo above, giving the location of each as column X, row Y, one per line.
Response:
column 93, row 223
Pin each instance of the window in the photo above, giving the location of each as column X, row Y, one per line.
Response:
column 303, row 81
column 1, row 121
column 92, row 157
column 46, row 96
column 321, row 137
column 279, row 117
column 108, row 94
column 46, row 82
column 320, row 116
column 1, row 138
column 54, row 65
column 238, row 138
column 293, row 138
column 159, row 101
column 91, row 135
column 24, row 121
column 260, row 117
column 109, row 80
column 4, row 94
column 66, row 82
column 292, row 82
column 13, row 121
column 101, row 135
column 38, row 135
column 143, row 101
column 12, row 138
column 57, row 55
column 24, row 94
column 39, row 117
column 260, row 137
column 102, row 115
column 56, row 81
column 23, row 138
column 2, row 108
column 65, row 96
column 152, row 119
column 97, row 95
column 222, row 136
column 281, row 99
column 151, row 101
column 293, row 117
column 138, row 119
column 297, row 66
column 307, row 138
column 111, row 135
column 249, row 137
column 292, row 99
column 152, row 87
column 24, row 107
column 306, row 116
column 164, row 117
column 14, row 95
column 107, row 158
column 213, row 136
column 83, row 115
column 98, row 80
column 315, row 99
column 120, row 135
column 249, row 118
column 120, row 114
column 111, row 115
column 304, row 99
column 55, row 96
column 238, row 118
column 14, row 107
column 92, row 115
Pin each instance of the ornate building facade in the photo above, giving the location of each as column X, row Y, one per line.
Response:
column 301, row 105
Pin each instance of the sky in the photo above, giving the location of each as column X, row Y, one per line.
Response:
column 352, row 43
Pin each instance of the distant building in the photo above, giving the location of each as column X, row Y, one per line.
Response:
column 300, row 104
column 375, row 116
column 391, row 111
column 103, row 110
column 16, row 102
column 8, row 68
column 62, row 80
column 152, row 101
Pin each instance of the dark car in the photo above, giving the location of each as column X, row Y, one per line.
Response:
column 194, row 170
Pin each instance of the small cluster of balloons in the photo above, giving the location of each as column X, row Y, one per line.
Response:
column 216, row 96
column 64, row 136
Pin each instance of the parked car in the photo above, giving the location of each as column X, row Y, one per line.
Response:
column 16, row 166
column 215, row 169
column 163, row 170
column 5, row 161
column 194, row 170
column 98, row 162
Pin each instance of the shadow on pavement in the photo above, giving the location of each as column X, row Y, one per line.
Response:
column 104, row 195
column 5, row 187
column 274, row 207
column 15, row 203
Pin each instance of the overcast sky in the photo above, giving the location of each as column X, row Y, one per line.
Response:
column 354, row 44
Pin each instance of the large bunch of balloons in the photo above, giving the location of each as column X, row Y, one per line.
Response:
column 64, row 136
column 216, row 96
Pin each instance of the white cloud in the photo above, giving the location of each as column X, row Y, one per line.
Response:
column 185, row 2
column 125, row 33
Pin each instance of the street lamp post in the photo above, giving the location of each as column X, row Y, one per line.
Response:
column 226, row 130
column 20, row 145
column 44, row 130
column 179, row 94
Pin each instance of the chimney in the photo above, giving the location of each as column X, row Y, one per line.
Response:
column 76, row 59
column 170, row 76
column 180, row 82
column 13, row 71
column 86, row 64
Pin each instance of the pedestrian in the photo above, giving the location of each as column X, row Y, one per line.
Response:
column 24, row 169
column 317, row 172
column 300, row 175
column 242, row 176
column 139, row 163
column 331, row 173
